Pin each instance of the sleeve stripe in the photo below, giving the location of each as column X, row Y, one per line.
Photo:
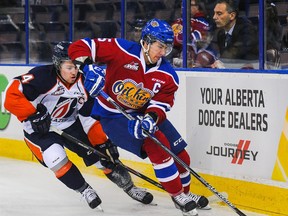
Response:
column 92, row 46
column 163, row 106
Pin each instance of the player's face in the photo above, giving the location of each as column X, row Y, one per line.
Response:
column 69, row 71
column 194, row 8
column 223, row 18
column 158, row 50
column 137, row 34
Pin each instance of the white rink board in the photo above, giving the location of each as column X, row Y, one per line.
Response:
column 225, row 110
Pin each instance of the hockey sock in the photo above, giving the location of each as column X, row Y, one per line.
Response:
column 168, row 176
column 184, row 174
column 73, row 179
column 164, row 166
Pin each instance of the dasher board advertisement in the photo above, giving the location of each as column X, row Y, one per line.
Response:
column 234, row 123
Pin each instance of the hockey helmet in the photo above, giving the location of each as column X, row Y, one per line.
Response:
column 158, row 30
column 60, row 53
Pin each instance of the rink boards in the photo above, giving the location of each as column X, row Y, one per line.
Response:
column 235, row 125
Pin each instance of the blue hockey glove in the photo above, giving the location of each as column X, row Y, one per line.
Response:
column 41, row 120
column 138, row 126
column 94, row 79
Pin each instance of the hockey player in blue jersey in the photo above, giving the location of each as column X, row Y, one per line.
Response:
column 55, row 95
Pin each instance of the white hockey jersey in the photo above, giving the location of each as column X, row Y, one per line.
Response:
column 42, row 85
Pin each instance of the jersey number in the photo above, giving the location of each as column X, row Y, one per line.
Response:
column 27, row 78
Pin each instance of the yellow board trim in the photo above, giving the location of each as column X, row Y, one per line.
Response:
column 280, row 171
column 245, row 195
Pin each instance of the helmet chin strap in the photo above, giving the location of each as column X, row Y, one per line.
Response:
column 60, row 77
column 146, row 51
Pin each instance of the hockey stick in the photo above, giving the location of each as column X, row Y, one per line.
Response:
column 95, row 151
column 176, row 158
column 214, row 198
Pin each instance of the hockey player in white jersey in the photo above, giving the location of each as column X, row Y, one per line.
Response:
column 54, row 95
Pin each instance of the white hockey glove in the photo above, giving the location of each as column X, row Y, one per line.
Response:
column 94, row 79
column 138, row 126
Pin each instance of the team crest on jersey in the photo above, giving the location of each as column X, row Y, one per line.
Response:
column 132, row 94
column 59, row 91
column 64, row 108
column 132, row 66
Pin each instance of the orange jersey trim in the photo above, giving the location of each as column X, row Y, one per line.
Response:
column 34, row 149
column 17, row 103
column 96, row 134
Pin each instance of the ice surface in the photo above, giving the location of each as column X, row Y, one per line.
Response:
column 27, row 188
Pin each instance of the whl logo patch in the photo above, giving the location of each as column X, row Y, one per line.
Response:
column 132, row 66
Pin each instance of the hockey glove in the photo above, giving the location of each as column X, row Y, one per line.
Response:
column 139, row 127
column 41, row 120
column 94, row 79
column 110, row 150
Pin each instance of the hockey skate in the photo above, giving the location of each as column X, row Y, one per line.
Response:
column 201, row 201
column 190, row 213
column 122, row 179
column 139, row 194
column 91, row 197
column 186, row 204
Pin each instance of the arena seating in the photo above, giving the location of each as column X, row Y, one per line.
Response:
column 49, row 21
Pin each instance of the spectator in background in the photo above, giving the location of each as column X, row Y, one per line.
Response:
column 236, row 36
column 199, row 53
column 137, row 30
column 284, row 43
column 198, row 23
column 273, row 36
column 8, row 3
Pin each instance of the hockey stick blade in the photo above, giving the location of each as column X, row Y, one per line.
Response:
column 175, row 157
column 93, row 150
